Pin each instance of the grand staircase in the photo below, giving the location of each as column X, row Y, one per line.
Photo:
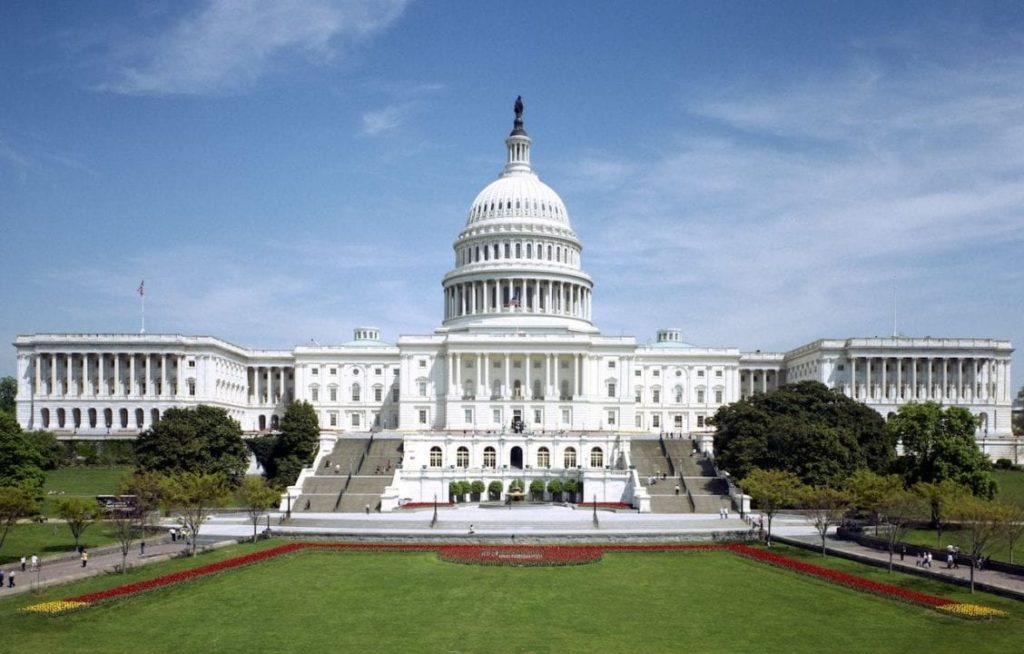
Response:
column 351, row 477
column 693, row 473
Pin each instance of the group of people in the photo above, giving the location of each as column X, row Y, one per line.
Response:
column 28, row 564
column 924, row 560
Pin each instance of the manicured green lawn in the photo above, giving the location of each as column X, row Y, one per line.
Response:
column 1011, row 485
column 81, row 481
column 412, row 602
column 50, row 538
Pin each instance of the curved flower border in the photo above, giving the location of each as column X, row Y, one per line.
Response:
column 527, row 555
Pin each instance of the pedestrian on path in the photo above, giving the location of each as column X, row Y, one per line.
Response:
column 23, row 564
column 1, row 578
column 142, row 548
column 85, row 557
column 677, row 489
column 174, row 535
column 367, row 509
column 10, row 579
column 35, row 563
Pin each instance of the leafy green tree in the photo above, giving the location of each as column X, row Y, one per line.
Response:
column 900, row 509
column 193, row 495
column 871, row 490
column 257, row 496
column 826, row 507
column 772, row 490
column 537, row 489
column 21, row 464
column 78, row 514
column 16, row 502
column 295, row 446
column 202, row 440
column 939, row 497
column 147, row 490
column 939, row 444
column 555, row 488
column 477, row 488
column 571, row 486
column 980, row 524
column 52, row 453
column 494, row 489
column 816, row 433
column 8, row 394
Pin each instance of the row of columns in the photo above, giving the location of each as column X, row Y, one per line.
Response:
column 551, row 377
column 757, row 381
column 928, row 378
column 517, row 296
column 107, row 375
column 268, row 384
column 516, row 251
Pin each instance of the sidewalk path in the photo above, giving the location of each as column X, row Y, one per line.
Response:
column 102, row 560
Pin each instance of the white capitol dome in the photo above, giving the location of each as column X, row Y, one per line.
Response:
column 517, row 261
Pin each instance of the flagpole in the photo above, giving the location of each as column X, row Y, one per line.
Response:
column 143, row 330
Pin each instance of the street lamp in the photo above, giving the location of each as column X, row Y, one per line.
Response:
column 595, row 510
column 434, row 520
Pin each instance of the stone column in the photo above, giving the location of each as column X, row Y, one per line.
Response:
column 270, row 386
column 37, row 369
column 899, row 379
column 853, row 377
column 507, row 391
column 870, row 396
column 528, row 387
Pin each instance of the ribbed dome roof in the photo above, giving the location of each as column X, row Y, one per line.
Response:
column 518, row 195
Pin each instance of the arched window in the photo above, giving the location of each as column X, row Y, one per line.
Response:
column 570, row 457
column 490, row 458
column 76, row 417
column 123, row 416
column 44, row 416
column 543, row 458
column 435, row 457
column 139, row 417
column 596, row 458
column 462, row 457
column 356, row 392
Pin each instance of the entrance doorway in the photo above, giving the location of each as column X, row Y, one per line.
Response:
column 517, row 458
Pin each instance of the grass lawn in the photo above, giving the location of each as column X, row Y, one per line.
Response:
column 1011, row 485
column 81, row 481
column 50, row 538
column 412, row 602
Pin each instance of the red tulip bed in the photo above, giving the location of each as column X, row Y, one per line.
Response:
column 425, row 505
column 527, row 556
column 605, row 505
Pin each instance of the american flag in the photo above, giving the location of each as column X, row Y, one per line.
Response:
column 142, row 287
column 514, row 302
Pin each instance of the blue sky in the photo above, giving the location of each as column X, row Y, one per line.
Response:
column 758, row 174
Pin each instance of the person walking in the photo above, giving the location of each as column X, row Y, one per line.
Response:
column 10, row 579
column 1, row 578
column 85, row 557
column 142, row 548
column 35, row 563
column 23, row 564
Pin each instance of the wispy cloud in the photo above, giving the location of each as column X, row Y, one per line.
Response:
column 228, row 45
column 791, row 217
column 386, row 119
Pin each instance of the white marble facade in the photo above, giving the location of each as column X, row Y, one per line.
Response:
column 516, row 341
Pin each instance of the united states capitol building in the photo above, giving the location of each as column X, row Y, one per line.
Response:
column 517, row 377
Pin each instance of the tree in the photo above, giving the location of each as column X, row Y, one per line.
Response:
column 16, row 502
column 145, row 489
column 193, row 495
column 571, row 486
column 78, row 514
column 816, row 433
column 939, row 497
column 257, row 496
column 295, row 446
column 494, row 489
column 1012, row 527
column 901, row 509
column 201, row 440
column 980, row 522
column 8, row 394
column 537, row 489
column 870, row 491
column 555, row 488
column 939, row 444
column 21, row 464
column 477, row 488
column 826, row 507
column 772, row 490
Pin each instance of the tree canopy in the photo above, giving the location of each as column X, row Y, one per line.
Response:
column 939, row 444
column 818, row 434
column 204, row 440
column 21, row 463
column 8, row 393
column 294, row 447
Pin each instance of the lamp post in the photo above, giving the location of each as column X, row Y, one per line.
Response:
column 433, row 521
column 288, row 513
column 595, row 510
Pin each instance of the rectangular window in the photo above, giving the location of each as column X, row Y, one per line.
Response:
column 423, row 363
column 423, row 416
column 316, row 371
column 334, row 395
column 566, row 416
column 394, row 394
column 656, row 372
column 611, row 364
column 377, row 394
column 656, row 420
column 718, row 397
column 537, row 417
column 718, row 373
column 611, row 418
column 469, row 416
column 637, row 373
column 333, row 417
column 423, row 389
column 377, row 371
column 657, row 395
column 639, row 396
column 497, row 416
column 841, row 367
column 700, row 373
column 314, row 394
column 334, row 371
column 678, row 421
column 611, row 389
column 191, row 363
column 355, row 419
column 700, row 397
column 700, row 422
column 639, row 421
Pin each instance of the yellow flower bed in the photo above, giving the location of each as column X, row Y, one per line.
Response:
column 56, row 607
column 972, row 611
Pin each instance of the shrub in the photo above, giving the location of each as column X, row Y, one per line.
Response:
column 494, row 489
column 1006, row 464
column 477, row 487
column 537, row 489
column 555, row 488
